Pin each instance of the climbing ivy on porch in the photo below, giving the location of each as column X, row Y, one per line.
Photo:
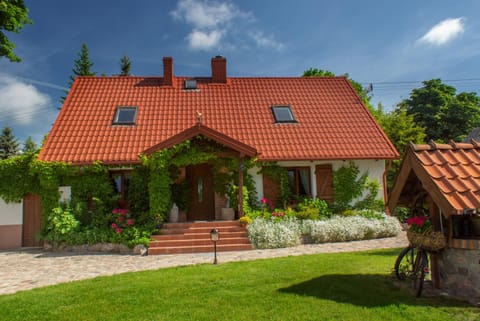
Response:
column 164, row 165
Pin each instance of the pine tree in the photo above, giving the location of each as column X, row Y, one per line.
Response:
column 29, row 146
column 125, row 64
column 83, row 64
column 8, row 144
column 82, row 67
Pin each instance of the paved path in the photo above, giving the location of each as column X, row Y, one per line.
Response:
column 27, row 269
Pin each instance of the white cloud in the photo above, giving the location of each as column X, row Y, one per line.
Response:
column 215, row 24
column 204, row 40
column 266, row 41
column 20, row 103
column 205, row 14
column 444, row 31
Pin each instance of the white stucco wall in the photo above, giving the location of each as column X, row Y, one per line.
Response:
column 11, row 213
column 11, row 223
column 375, row 168
column 258, row 179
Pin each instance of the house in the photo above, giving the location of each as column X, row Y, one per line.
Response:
column 445, row 180
column 309, row 126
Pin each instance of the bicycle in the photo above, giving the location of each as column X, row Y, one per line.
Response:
column 412, row 263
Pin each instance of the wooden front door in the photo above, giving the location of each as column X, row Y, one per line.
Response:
column 202, row 198
column 32, row 220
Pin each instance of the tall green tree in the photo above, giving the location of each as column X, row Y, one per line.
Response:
column 125, row 65
column 401, row 129
column 364, row 93
column 13, row 17
column 8, row 144
column 29, row 146
column 82, row 67
column 444, row 114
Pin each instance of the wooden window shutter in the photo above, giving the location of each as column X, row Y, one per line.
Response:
column 271, row 189
column 324, row 178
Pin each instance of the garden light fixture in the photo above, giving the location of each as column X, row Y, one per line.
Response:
column 214, row 236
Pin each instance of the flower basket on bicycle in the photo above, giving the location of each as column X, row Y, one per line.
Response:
column 430, row 241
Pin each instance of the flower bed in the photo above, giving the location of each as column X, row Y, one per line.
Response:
column 291, row 232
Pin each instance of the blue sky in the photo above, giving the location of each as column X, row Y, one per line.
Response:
column 392, row 44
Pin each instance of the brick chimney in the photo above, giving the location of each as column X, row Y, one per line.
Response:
column 167, row 71
column 219, row 70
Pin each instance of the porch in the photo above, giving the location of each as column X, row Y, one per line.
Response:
column 194, row 237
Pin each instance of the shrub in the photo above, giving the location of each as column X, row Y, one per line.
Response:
column 267, row 234
column 371, row 214
column 348, row 213
column 61, row 226
column 342, row 229
column 309, row 213
column 313, row 209
column 245, row 220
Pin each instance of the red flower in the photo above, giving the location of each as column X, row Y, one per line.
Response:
column 114, row 225
column 130, row 221
column 264, row 200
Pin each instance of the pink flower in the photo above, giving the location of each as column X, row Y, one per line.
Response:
column 115, row 211
column 114, row 225
column 130, row 221
column 264, row 200
column 270, row 204
column 120, row 219
column 118, row 230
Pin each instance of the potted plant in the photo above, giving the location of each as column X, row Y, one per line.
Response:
column 420, row 234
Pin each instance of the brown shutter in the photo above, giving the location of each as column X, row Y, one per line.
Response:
column 271, row 189
column 324, row 177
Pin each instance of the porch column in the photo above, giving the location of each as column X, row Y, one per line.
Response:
column 240, row 186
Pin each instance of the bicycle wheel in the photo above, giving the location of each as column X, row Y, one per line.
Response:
column 404, row 264
column 421, row 269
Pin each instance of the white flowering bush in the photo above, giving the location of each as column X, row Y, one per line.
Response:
column 269, row 234
column 289, row 232
column 342, row 229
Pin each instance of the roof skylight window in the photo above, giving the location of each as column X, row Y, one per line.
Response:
column 190, row 84
column 283, row 114
column 125, row 116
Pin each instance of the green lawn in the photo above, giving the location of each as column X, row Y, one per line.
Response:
column 343, row 286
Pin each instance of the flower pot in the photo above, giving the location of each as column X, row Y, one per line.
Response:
column 227, row 214
column 430, row 241
column 173, row 217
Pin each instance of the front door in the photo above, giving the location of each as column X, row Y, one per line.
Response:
column 202, row 198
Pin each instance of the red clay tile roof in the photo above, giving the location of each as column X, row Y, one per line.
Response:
column 450, row 173
column 332, row 121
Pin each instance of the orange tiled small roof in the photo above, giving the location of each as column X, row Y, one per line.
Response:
column 450, row 173
column 332, row 122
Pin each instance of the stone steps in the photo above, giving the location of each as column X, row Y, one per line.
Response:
column 194, row 237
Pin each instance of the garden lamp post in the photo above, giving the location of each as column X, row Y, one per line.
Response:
column 214, row 237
